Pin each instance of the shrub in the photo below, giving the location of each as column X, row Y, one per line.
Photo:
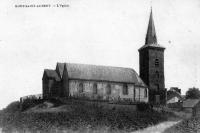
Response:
column 13, row 107
column 29, row 103
column 143, row 106
column 56, row 101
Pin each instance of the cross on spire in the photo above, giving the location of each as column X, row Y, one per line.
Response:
column 151, row 32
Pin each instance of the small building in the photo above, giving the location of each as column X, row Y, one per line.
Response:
column 196, row 109
column 192, row 106
column 52, row 81
column 173, row 97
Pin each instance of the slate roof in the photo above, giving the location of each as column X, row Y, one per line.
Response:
column 94, row 72
column 151, row 31
column 60, row 68
column 152, row 46
column 103, row 73
column 190, row 103
column 151, row 38
column 171, row 94
column 52, row 74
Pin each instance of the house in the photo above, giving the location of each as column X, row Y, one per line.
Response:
column 173, row 97
column 192, row 106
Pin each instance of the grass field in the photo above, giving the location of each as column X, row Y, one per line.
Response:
column 191, row 125
column 80, row 117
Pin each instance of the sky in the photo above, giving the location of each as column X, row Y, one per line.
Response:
column 100, row 32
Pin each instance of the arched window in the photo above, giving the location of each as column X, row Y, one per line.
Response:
column 125, row 89
column 95, row 88
column 108, row 89
column 134, row 92
column 80, row 88
column 145, row 92
column 157, row 62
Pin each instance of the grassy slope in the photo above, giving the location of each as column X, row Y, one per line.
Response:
column 191, row 125
column 80, row 116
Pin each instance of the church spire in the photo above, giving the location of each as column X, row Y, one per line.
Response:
column 151, row 32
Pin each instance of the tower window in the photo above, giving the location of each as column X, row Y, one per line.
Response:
column 95, row 88
column 80, row 89
column 108, row 89
column 125, row 90
column 157, row 62
column 157, row 87
column 157, row 74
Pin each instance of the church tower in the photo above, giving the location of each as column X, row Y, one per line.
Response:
column 151, row 60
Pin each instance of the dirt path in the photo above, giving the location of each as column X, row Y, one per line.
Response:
column 158, row 128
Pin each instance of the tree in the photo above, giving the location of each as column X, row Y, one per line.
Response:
column 193, row 93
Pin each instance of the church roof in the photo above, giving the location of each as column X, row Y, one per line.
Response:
column 151, row 38
column 60, row 69
column 151, row 31
column 103, row 73
column 51, row 74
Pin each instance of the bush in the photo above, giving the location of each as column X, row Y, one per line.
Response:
column 56, row 101
column 143, row 106
column 29, row 103
column 13, row 107
column 193, row 93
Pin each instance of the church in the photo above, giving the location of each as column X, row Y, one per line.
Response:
column 109, row 83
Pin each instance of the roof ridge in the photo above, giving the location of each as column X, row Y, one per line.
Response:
column 47, row 69
column 60, row 63
column 101, row 66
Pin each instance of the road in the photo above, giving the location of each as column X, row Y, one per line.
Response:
column 157, row 128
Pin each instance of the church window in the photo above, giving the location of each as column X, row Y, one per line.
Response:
column 95, row 88
column 145, row 92
column 80, row 87
column 157, row 62
column 134, row 93
column 125, row 89
column 108, row 89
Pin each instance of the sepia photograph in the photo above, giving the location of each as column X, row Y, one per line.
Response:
column 99, row 66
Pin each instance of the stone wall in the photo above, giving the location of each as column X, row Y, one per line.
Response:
column 156, row 73
column 107, row 91
column 152, row 73
column 51, row 88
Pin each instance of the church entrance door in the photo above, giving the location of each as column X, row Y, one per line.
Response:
column 157, row 99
